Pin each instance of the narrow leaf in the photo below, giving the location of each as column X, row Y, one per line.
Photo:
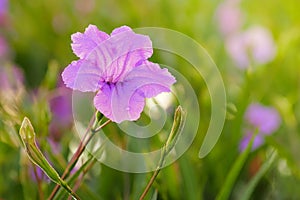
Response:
column 234, row 172
column 254, row 181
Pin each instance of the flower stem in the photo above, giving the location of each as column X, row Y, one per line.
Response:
column 82, row 145
column 64, row 185
column 79, row 181
column 178, row 124
column 165, row 152
column 150, row 184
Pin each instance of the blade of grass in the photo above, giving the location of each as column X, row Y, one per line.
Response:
column 262, row 171
column 234, row 172
column 190, row 186
column 154, row 196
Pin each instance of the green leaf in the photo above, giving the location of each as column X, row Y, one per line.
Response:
column 50, row 79
column 138, row 185
column 190, row 186
column 254, row 181
column 154, row 196
column 234, row 172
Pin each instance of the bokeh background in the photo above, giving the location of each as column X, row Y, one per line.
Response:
column 255, row 45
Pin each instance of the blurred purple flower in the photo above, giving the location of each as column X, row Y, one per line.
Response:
column 254, row 45
column 261, row 119
column 3, row 48
column 36, row 174
column 3, row 7
column 229, row 17
column 84, row 7
column 62, row 117
column 265, row 119
column 12, row 93
column 116, row 67
column 257, row 142
column 11, row 78
column 3, row 10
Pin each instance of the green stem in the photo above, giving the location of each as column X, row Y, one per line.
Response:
column 67, row 188
column 79, row 151
column 79, row 181
column 234, row 172
column 178, row 124
column 71, row 179
column 150, row 184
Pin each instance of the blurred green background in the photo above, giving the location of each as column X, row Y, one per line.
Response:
column 38, row 33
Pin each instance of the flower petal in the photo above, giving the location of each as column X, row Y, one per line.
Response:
column 120, row 30
column 265, row 118
column 119, row 54
column 82, row 75
column 84, row 43
column 102, row 100
column 257, row 142
column 125, row 100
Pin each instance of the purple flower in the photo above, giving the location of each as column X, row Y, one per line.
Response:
column 11, row 78
column 261, row 119
column 115, row 66
column 36, row 174
column 3, row 10
column 229, row 17
column 3, row 7
column 265, row 119
column 257, row 142
column 3, row 48
column 61, row 109
column 84, row 7
column 254, row 45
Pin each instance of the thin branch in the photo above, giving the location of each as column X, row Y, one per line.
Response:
column 79, row 151
column 150, row 184
column 177, row 127
column 84, row 172
column 100, row 127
